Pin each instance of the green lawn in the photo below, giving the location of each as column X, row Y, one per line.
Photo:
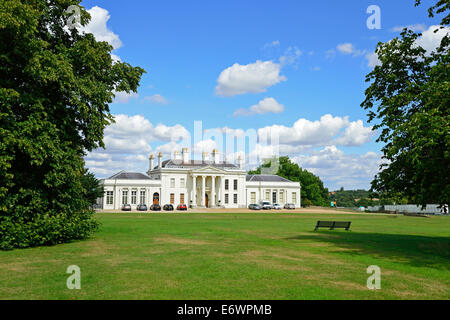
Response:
column 238, row 256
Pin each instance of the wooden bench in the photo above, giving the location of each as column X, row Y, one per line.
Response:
column 333, row 225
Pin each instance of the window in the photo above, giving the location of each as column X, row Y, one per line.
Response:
column 294, row 197
column 142, row 197
column 235, row 198
column 281, row 196
column 172, row 182
column 235, row 184
column 133, row 196
column 182, row 184
column 226, row 198
column 226, row 184
column 182, row 198
column 109, row 197
column 267, row 195
column 125, row 197
column 274, row 197
column 253, row 197
column 172, row 198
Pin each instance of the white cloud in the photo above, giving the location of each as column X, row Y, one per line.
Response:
column 123, row 97
column 349, row 48
column 156, row 98
column 429, row 40
column 372, row 60
column 413, row 27
column 115, row 58
column 355, row 135
column 251, row 78
column 127, row 144
column 346, row 48
column 204, row 146
column 290, row 56
column 338, row 169
column 306, row 132
column 133, row 128
column 267, row 105
column 274, row 43
column 98, row 27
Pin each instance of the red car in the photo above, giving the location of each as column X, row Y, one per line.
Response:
column 182, row 207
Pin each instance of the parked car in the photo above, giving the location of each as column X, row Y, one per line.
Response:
column 289, row 206
column 141, row 207
column 254, row 206
column 276, row 206
column 155, row 207
column 182, row 207
column 168, row 207
column 266, row 205
column 126, row 207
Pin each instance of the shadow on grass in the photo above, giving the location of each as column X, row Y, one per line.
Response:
column 418, row 251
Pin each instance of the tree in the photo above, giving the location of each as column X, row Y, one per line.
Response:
column 409, row 98
column 93, row 188
column 55, row 88
column 313, row 191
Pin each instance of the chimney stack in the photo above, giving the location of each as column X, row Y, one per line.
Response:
column 151, row 162
column 240, row 162
column 160, row 160
column 216, row 156
column 177, row 156
column 185, row 155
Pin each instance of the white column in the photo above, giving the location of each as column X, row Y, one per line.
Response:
column 194, row 193
column 222, row 190
column 203, row 191
column 213, row 191
column 219, row 194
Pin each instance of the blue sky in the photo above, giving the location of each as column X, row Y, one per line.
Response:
column 313, row 58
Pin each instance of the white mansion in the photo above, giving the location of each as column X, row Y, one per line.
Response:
column 206, row 183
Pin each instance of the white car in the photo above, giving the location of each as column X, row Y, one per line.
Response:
column 276, row 206
column 266, row 205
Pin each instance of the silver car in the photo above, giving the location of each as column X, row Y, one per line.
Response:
column 289, row 206
column 276, row 206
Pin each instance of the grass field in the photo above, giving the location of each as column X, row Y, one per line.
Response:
column 239, row 256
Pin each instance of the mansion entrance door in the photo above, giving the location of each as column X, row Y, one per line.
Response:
column 156, row 198
column 206, row 200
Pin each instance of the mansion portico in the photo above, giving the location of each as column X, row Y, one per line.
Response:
column 209, row 182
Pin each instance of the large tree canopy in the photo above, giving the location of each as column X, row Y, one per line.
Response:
column 408, row 99
column 55, row 87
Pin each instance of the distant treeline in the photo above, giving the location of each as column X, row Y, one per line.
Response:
column 358, row 198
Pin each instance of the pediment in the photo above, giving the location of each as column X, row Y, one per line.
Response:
column 209, row 169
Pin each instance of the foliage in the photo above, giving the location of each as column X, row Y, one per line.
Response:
column 409, row 98
column 312, row 193
column 349, row 198
column 93, row 188
column 55, row 87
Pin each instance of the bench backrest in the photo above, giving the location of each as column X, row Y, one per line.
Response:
column 333, row 224
column 342, row 224
column 325, row 224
